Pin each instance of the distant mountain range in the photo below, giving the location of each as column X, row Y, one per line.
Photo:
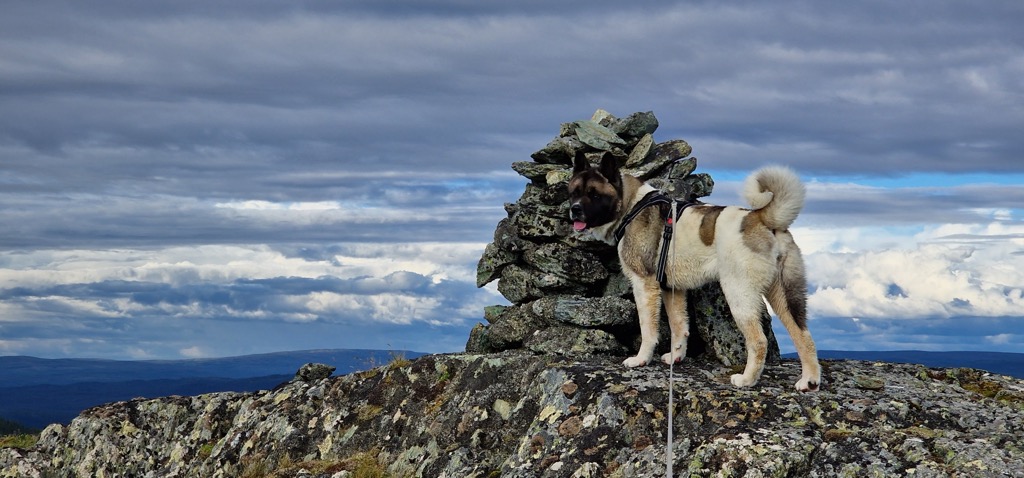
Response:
column 36, row 392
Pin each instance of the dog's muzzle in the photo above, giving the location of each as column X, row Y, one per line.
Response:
column 576, row 211
column 579, row 222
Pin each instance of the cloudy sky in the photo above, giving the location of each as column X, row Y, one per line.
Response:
column 213, row 178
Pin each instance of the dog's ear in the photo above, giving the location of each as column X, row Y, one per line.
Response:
column 580, row 163
column 610, row 168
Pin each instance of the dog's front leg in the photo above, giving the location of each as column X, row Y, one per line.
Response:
column 647, row 294
column 679, row 324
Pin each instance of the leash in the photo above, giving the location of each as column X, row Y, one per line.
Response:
column 669, row 453
column 669, row 229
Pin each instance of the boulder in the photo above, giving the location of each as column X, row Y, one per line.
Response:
column 312, row 372
column 573, row 341
column 587, row 311
column 492, row 263
column 572, row 264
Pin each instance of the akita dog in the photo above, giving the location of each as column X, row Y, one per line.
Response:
column 749, row 251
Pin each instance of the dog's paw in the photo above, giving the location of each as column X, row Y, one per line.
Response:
column 668, row 359
column 808, row 385
column 634, row 362
column 739, row 380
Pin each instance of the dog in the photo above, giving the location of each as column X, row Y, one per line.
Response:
column 750, row 252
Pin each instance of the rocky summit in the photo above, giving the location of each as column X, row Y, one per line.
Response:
column 520, row 414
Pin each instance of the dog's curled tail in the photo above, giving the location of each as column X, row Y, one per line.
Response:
column 777, row 193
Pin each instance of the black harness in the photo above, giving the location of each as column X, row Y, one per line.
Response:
column 664, row 203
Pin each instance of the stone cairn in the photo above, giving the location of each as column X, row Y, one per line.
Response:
column 568, row 294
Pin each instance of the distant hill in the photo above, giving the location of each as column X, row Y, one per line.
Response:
column 37, row 406
column 20, row 370
column 36, row 392
column 8, row 427
column 1002, row 363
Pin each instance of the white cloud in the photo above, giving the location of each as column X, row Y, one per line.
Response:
column 258, row 205
column 980, row 275
column 1005, row 339
column 364, row 282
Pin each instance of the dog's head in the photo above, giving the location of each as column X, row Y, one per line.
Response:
column 595, row 193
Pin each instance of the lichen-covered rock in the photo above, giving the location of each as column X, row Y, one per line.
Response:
column 587, row 311
column 537, row 172
column 720, row 335
column 661, row 156
column 519, row 414
column 517, row 285
column 560, row 150
column 573, row 264
column 509, row 329
column 640, row 151
column 540, row 222
column 492, row 262
column 635, row 125
column 312, row 372
column 563, row 340
column 596, row 136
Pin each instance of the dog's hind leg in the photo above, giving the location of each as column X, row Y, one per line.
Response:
column 757, row 348
column 647, row 294
column 746, row 306
column 810, row 378
column 788, row 297
column 679, row 323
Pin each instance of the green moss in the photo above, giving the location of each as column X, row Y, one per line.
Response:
column 206, row 450
column 367, row 466
column 255, row 467
column 837, row 434
column 288, row 468
column 368, row 412
column 1010, row 397
column 922, row 432
column 983, row 387
column 21, row 441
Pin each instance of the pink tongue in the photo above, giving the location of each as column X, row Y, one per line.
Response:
column 579, row 225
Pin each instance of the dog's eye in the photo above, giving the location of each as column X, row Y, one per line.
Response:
column 593, row 195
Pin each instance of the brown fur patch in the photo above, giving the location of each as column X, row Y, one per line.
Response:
column 640, row 244
column 575, row 183
column 708, row 222
column 605, row 189
column 794, row 285
column 756, row 236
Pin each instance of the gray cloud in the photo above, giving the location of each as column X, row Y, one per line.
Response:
column 357, row 84
column 313, row 128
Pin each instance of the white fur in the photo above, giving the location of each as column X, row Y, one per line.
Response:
column 778, row 192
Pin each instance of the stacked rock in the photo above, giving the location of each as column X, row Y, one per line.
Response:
column 567, row 290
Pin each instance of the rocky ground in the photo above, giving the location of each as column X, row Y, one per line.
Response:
column 520, row 414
